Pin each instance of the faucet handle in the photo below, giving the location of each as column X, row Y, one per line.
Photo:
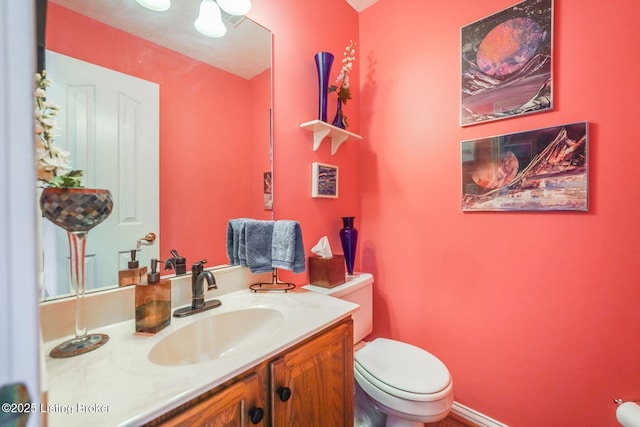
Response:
column 198, row 267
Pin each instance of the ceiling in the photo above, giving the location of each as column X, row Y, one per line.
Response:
column 361, row 5
column 245, row 50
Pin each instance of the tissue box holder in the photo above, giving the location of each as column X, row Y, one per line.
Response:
column 327, row 272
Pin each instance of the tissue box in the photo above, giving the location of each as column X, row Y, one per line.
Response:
column 327, row 272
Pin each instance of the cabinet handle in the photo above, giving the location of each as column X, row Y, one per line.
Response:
column 256, row 415
column 284, row 393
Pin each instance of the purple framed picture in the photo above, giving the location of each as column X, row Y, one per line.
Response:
column 324, row 180
column 538, row 170
column 506, row 63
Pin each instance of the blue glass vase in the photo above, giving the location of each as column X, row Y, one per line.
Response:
column 324, row 60
column 349, row 240
column 339, row 119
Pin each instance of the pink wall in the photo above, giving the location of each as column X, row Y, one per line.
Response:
column 204, row 113
column 260, row 150
column 300, row 30
column 535, row 314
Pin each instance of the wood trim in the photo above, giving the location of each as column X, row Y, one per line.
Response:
column 461, row 420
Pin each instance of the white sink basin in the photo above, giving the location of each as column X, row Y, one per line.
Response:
column 217, row 336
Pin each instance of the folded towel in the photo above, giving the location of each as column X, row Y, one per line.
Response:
column 287, row 249
column 233, row 239
column 258, row 236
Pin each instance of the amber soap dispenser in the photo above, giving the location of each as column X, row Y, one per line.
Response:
column 153, row 302
column 133, row 274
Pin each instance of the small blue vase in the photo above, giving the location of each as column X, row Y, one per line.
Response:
column 349, row 240
column 338, row 120
column 324, row 60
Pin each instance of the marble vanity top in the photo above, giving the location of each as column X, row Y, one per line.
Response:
column 117, row 385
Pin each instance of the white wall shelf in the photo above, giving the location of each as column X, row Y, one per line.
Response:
column 322, row 129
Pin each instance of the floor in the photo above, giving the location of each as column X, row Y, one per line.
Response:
column 452, row 420
column 367, row 415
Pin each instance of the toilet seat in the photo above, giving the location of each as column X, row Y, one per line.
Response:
column 403, row 370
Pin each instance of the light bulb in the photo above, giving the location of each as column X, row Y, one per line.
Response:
column 209, row 22
column 157, row 5
column 235, row 7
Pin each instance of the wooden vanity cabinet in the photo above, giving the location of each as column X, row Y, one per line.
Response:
column 235, row 405
column 310, row 384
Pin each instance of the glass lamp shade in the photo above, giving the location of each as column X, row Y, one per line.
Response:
column 209, row 21
column 157, row 5
column 235, row 7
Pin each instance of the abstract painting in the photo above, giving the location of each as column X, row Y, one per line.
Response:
column 538, row 170
column 324, row 180
column 506, row 63
column 267, row 190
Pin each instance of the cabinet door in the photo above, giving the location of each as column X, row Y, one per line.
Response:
column 312, row 385
column 235, row 406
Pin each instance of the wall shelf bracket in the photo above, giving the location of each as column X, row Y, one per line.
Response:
column 321, row 130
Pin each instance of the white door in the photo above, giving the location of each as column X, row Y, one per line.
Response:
column 110, row 124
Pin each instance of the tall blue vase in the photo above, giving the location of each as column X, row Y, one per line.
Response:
column 349, row 240
column 324, row 60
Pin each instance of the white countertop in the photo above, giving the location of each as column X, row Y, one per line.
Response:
column 116, row 385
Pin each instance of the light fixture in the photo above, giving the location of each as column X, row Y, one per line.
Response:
column 157, row 5
column 235, row 7
column 209, row 22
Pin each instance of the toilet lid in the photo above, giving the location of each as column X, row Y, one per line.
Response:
column 403, row 366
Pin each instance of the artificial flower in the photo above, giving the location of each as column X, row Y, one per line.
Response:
column 52, row 162
column 342, row 86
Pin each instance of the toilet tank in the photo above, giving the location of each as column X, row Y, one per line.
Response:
column 358, row 290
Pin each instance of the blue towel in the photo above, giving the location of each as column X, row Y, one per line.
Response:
column 287, row 249
column 258, row 236
column 233, row 239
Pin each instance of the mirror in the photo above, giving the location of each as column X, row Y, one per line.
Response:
column 214, row 133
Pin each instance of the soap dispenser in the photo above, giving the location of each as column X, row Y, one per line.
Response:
column 133, row 274
column 153, row 302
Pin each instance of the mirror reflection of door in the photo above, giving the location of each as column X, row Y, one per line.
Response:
column 110, row 124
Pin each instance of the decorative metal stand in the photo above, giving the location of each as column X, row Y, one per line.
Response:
column 77, row 210
column 274, row 285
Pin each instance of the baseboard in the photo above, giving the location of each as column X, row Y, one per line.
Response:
column 475, row 417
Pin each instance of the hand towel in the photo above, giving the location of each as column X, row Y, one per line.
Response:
column 287, row 249
column 233, row 239
column 258, row 241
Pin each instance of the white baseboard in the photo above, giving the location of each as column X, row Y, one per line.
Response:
column 475, row 417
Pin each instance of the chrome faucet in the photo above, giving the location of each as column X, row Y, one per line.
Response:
column 198, row 276
column 198, row 304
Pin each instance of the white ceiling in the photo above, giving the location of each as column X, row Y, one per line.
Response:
column 245, row 50
column 361, row 5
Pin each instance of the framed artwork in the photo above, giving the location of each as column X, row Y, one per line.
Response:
column 506, row 63
column 324, row 180
column 267, row 190
column 538, row 170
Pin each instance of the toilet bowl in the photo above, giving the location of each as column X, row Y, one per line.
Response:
column 408, row 384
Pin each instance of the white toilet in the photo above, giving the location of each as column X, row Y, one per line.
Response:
column 408, row 384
